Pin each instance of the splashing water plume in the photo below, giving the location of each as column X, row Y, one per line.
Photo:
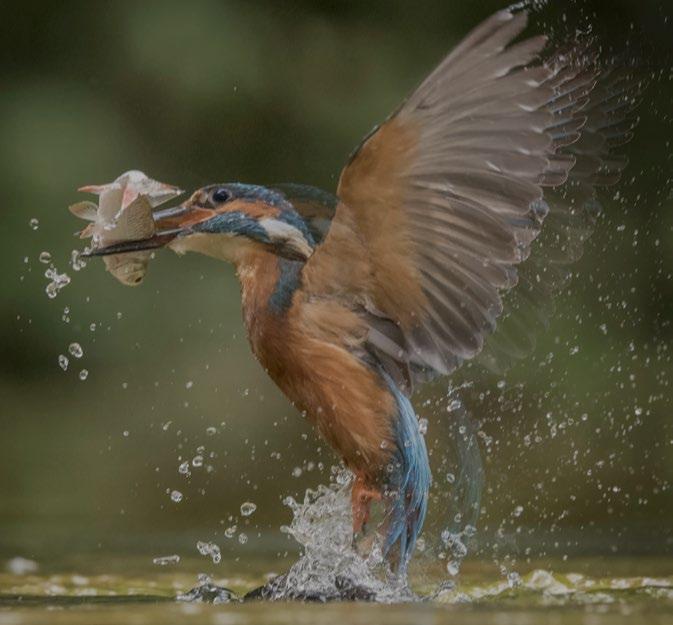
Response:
column 330, row 567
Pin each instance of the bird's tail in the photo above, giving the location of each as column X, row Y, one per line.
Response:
column 408, row 483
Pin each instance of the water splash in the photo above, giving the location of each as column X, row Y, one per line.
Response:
column 330, row 567
column 466, row 480
column 57, row 282
column 208, row 592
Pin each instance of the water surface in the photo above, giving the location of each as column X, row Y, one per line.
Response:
column 581, row 590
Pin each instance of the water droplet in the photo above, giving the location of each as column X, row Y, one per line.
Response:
column 83, row 374
column 63, row 362
column 189, row 385
column 34, row 223
column 452, row 567
column 166, row 560
column 248, row 508
column 75, row 350
column 422, row 426
column 92, row 327
column 209, row 549
column 183, row 468
column 450, row 478
column 513, row 579
column 197, row 461
column 176, row 496
column 517, row 511
column 76, row 261
column 211, row 431
column 242, row 538
column 58, row 281
column 454, row 405
column 45, row 257
column 296, row 472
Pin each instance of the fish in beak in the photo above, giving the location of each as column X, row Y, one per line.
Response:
column 162, row 232
column 220, row 221
column 167, row 224
column 123, row 214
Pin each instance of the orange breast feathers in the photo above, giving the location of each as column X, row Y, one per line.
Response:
column 308, row 353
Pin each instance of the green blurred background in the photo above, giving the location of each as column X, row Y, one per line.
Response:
column 577, row 440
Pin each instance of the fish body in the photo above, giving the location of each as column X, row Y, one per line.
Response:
column 124, row 213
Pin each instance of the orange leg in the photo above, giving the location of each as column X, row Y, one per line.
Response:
column 361, row 498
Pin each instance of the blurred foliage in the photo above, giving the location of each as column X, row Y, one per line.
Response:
column 579, row 436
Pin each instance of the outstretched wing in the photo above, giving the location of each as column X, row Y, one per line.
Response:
column 439, row 205
column 573, row 211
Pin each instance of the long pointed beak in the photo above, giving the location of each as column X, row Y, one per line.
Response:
column 169, row 225
column 158, row 240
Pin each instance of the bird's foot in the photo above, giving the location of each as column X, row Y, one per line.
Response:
column 361, row 500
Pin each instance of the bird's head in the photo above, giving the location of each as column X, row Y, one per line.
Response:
column 228, row 221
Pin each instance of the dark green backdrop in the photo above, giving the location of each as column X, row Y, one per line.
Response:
column 193, row 93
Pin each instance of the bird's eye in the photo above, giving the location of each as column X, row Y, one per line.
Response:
column 220, row 195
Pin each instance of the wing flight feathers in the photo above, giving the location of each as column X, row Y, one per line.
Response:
column 440, row 204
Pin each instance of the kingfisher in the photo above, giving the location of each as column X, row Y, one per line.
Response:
column 353, row 300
